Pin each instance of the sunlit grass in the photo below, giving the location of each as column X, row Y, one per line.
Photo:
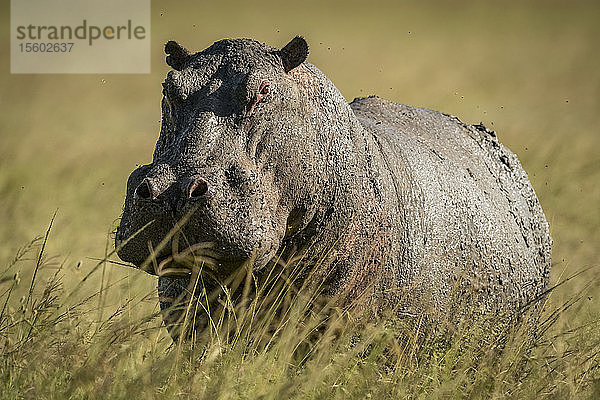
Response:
column 278, row 339
column 529, row 70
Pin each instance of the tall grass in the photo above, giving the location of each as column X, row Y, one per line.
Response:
column 90, row 329
column 279, row 340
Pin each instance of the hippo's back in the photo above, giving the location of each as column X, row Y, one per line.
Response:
column 464, row 213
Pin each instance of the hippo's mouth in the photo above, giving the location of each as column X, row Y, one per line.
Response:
column 167, row 266
column 194, row 258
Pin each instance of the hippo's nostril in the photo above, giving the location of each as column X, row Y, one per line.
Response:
column 144, row 190
column 198, row 188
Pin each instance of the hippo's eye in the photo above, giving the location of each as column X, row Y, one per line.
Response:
column 263, row 91
column 265, row 88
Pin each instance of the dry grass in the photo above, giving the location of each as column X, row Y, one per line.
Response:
column 529, row 70
column 281, row 342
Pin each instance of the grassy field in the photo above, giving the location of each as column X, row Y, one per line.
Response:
column 529, row 70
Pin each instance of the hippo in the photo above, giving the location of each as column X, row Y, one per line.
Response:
column 259, row 155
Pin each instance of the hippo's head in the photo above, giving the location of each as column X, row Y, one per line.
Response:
column 233, row 166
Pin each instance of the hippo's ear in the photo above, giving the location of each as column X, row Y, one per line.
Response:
column 177, row 55
column 294, row 53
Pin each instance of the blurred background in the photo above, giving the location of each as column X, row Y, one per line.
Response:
column 528, row 70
